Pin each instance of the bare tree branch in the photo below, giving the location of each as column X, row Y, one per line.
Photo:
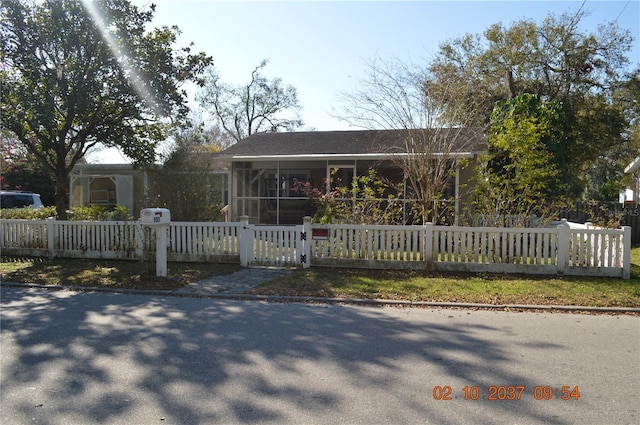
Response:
column 395, row 96
column 260, row 105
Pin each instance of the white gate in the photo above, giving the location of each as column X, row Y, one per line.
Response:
column 274, row 246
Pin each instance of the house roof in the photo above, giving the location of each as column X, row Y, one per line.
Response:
column 345, row 144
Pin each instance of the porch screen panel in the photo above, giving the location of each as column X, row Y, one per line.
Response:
column 248, row 207
column 124, row 192
column 292, row 194
column 248, row 181
column 79, row 191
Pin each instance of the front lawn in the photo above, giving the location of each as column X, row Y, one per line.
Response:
column 106, row 273
column 344, row 283
column 469, row 287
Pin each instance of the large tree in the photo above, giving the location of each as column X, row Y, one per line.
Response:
column 553, row 60
column 395, row 95
column 523, row 171
column 606, row 177
column 260, row 105
column 78, row 74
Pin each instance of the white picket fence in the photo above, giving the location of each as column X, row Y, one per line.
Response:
column 559, row 250
column 596, row 252
column 273, row 246
column 193, row 242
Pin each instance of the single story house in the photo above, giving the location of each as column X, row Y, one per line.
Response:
column 261, row 171
column 266, row 166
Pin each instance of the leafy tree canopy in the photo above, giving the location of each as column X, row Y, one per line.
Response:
column 553, row 60
column 80, row 74
column 556, row 61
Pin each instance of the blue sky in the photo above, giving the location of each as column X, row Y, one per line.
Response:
column 320, row 47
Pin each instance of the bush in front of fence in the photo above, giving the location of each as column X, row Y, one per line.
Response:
column 27, row 213
column 101, row 213
column 90, row 213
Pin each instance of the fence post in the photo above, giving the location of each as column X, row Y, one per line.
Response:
column 244, row 241
column 563, row 245
column 51, row 236
column 626, row 252
column 306, row 242
column 138, row 233
column 161, row 249
column 427, row 238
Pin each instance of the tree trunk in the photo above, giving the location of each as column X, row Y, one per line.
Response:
column 434, row 212
column 62, row 194
column 511, row 91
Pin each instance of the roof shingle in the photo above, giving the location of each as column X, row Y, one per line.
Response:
column 356, row 142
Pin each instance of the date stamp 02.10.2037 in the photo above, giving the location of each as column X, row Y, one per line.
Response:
column 507, row 392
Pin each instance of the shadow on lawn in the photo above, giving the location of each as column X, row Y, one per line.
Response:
column 108, row 273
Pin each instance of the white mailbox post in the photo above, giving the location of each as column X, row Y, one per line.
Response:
column 160, row 218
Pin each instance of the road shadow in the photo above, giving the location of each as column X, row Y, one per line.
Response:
column 73, row 357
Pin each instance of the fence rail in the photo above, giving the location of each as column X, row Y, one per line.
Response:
column 109, row 240
column 368, row 246
column 558, row 250
column 118, row 240
column 502, row 249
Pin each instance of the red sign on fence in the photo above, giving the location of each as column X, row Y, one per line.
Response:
column 320, row 234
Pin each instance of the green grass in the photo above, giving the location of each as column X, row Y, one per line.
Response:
column 458, row 287
column 468, row 288
column 105, row 273
column 347, row 283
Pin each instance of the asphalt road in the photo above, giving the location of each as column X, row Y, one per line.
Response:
column 99, row 358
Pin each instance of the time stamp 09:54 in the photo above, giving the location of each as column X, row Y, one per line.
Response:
column 506, row 392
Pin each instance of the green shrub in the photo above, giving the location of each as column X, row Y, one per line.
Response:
column 91, row 213
column 100, row 213
column 367, row 199
column 27, row 213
